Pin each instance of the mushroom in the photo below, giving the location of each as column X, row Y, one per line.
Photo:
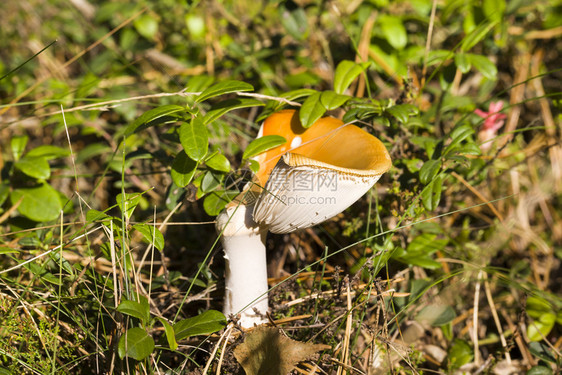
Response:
column 316, row 174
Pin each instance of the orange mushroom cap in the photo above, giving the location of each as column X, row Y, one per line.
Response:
column 328, row 141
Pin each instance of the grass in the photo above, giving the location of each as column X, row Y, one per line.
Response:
column 451, row 264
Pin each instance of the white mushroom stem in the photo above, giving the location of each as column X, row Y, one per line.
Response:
column 246, row 268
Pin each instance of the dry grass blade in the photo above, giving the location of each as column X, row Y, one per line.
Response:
column 48, row 252
column 428, row 41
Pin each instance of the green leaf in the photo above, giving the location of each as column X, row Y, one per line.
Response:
column 90, row 151
column 460, row 133
column 429, row 170
column 254, row 165
column 469, row 149
column 95, row 215
column 484, row 66
column 196, row 25
column 402, row 112
column 539, row 370
column 210, row 181
column 330, row 100
column 438, row 56
column 88, row 83
column 215, row 202
column 183, row 169
column 394, row 31
column 494, row 9
column 4, row 192
column 460, row 353
column 36, row 167
column 169, row 331
column 224, row 87
column 136, row 344
column 262, row 144
column 345, row 73
column 48, row 152
column 8, row 250
column 194, row 139
column 128, row 203
column 476, row 35
column 218, row 162
column 140, row 310
column 301, row 79
column 537, row 306
column 426, row 243
column 311, row 110
column 431, row 194
column 151, row 234
column 436, row 315
column 297, row 94
column 542, row 350
column 203, row 324
column 371, row 109
column 294, row 22
column 199, row 83
column 540, row 328
column 156, row 116
column 462, row 62
column 418, row 287
column 228, row 105
column 18, row 146
column 423, row 261
column 419, row 251
column 146, row 25
column 40, row 203
column 41, row 273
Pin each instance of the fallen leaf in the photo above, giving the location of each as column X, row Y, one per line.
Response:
column 266, row 351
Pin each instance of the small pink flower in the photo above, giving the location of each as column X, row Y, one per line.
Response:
column 493, row 121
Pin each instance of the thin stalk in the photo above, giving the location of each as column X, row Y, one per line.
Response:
column 246, row 288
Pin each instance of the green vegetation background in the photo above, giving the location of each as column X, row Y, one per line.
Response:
column 465, row 229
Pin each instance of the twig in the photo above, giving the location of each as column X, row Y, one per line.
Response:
column 363, row 50
column 117, row 101
column 386, row 293
column 496, row 318
column 522, row 73
column 269, row 97
column 219, row 365
column 113, row 263
column 428, row 42
column 346, row 366
column 535, row 34
column 107, row 105
column 216, row 348
column 72, row 158
column 479, row 195
column 9, row 211
column 521, row 344
column 347, row 336
column 477, row 358
column 555, row 150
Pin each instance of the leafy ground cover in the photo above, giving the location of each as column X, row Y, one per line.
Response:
column 125, row 128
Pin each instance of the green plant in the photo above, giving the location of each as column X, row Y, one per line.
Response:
column 114, row 201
